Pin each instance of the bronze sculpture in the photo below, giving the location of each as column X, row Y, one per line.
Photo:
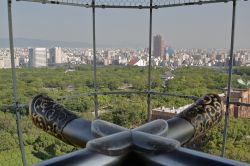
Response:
column 115, row 144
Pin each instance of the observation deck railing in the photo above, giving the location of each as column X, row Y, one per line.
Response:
column 149, row 5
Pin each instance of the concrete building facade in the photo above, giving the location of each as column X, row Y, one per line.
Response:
column 37, row 57
column 55, row 55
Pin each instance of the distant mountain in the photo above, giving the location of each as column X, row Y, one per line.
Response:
column 25, row 42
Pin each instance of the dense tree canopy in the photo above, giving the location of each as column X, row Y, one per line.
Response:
column 128, row 110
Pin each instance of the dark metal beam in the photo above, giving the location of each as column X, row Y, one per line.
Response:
column 179, row 157
column 240, row 104
column 82, row 157
column 229, row 81
column 14, row 83
column 173, row 4
column 184, row 156
column 127, row 93
column 94, row 58
column 149, row 60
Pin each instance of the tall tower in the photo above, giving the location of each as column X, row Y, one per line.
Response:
column 159, row 46
column 55, row 55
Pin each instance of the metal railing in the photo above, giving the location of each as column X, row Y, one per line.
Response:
column 130, row 4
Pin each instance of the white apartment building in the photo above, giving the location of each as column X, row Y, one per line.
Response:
column 37, row 57
column 5, row 62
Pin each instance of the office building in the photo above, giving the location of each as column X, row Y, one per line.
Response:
column 159, row 47
column 37, row 57
column 55, row 55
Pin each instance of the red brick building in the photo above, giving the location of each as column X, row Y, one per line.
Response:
column 239, row 95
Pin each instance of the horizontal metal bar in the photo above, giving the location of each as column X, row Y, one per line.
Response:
column 59, row 3
column 240, row 104
column 26, row 106
column 193, row 3
column 178, row 157
column 82, row 157
column 175, row 94
column 19, row 106
column 127, row 93
column 23, row 105
column 120, row 92
column 102, row 93
column 184, row 156
column 173, row 4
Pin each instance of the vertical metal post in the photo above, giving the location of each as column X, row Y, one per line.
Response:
column 14, row 83
column 229, row 81
column 149, row 60
column 94, row 54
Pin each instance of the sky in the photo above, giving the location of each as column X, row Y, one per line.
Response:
column 204, row 26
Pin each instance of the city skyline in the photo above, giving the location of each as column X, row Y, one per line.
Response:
column 191, row 27
column 57, row 56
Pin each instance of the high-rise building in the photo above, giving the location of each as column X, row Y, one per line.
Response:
column 159, row 47
column 109, row 56
column 55, row 55
column 37, row 57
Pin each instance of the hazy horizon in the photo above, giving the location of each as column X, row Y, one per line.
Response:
column 205, row 26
